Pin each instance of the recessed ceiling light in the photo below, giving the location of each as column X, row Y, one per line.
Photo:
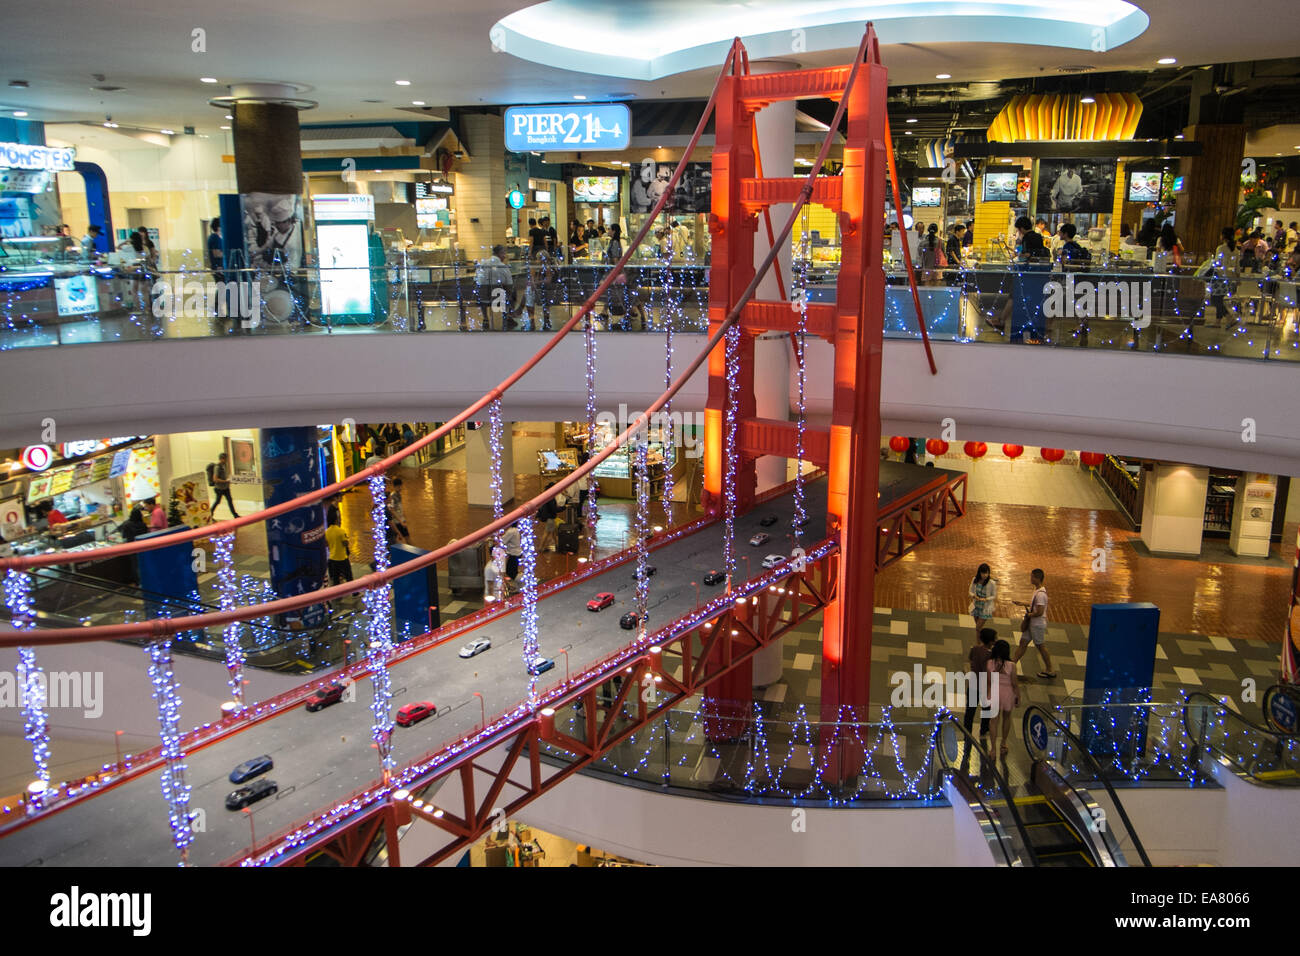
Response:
column 912, row 119
column 228, row 116
column 943, row 76
column 225, row 127
column 402, row 82
column 20, row 113
column 207, row 79
column 1179, row 136
column 417, row 102
column 1087, row 99
column 909, row 132
column 1166, row 61
column 579, row 96
column 168, row 132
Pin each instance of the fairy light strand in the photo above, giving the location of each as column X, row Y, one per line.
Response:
column 729, row 475
column 175, row 791
column 528, row 572
column 36, row 731
column 379, row 631
column 589, row 333
column 642, row 529
column 228, row 596
column 801, row 417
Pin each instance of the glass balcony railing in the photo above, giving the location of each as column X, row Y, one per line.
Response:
column 1214, row 313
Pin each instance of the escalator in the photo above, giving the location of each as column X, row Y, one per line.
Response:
column 1048, row 817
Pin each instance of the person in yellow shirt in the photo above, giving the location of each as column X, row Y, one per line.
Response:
column 340, row 567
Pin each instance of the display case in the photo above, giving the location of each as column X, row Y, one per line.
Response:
column 1220, row 495
column 556, row 462
column 27, row 253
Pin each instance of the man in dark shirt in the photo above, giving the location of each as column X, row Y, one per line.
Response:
column 216, row 255
column 1029, row 244
column 536, row 237
column 1071, row 251
column 551, row 235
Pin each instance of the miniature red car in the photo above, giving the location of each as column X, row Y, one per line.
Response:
column 602, row 600
column 414, row 713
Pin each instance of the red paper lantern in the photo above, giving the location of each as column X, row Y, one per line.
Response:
column 936, row 447
column 976, row 449
column 1091, row 458
column 900, row 444
column 1013, row 451
column 1053, row 455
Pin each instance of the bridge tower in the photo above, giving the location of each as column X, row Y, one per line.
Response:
column 853, row 325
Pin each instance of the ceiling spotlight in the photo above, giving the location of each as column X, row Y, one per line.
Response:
column 909, row 132
column 168, row 132
column 20, row 113
column 225, row 127
column 579, row 96
column 943, row 76
column 1166, row 61
column 417, row 102
column 1087, row 99
column 229, row 116
column 402, row 82
column 1179, row 136
column 912, row 119
column 207, row 79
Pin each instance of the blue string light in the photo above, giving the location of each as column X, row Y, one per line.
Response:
column 22, row 616
column 729, row 476
column 379, row 629
column 528, row 572
column 642, row 528
column 589, row 334
column 166, row 694
column 801, row 417
column 228, row 596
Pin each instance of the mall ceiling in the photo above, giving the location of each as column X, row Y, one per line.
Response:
column 137, row 61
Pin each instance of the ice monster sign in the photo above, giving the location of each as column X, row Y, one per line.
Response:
column 568, row 126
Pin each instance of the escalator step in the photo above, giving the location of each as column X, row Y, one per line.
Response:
column 1052, row 837
column 1075, row 858
column 1037, row 813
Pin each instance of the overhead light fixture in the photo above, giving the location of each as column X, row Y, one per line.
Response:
column 417, row 102
column 579, row 96
column 168, row 132
column 1179, row 136
column 1167, row 61
column 225, row 127
column 943, row 76
column 207, row 79
column 909, row 132
column 1086, row 99
column 229, row 116
column 911, row 119
column 402, row 82
column 20, row 113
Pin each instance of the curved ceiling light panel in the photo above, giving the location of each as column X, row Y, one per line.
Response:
column 1059, row 116
column 649, row 39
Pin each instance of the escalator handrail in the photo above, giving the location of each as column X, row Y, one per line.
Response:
column 1072, row 821
column 1095, row 766
column 1003, row 786
column 968, row 792
column 81, row 579
column 1268, row 732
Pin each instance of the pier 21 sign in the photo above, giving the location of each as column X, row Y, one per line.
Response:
column 568, row 127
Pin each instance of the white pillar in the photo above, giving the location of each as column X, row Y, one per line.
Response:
column 773, row 353
column 478, row 465
column 1173, row 508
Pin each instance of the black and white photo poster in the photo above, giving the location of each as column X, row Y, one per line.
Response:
column 1076, row 185
column 273, row 230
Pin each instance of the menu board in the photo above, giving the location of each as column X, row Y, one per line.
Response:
column 102, row 467
column 120, row 460
column 61, row 480
column 39, row 488
column 82, row 471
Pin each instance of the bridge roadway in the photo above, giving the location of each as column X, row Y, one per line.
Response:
column 322, row 757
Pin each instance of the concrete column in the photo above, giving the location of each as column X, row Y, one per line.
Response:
column 1252, row 515
column 481, row 211
column 478, row 466
column 268, row 148
column 1211, row 186
column 1173, row 508
column 773, row 356
column 773, row 353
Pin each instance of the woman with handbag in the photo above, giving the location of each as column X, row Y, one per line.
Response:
column 1001, row 669
column 983, row 593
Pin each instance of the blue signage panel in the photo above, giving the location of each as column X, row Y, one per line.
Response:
column 1120, row 671
column 295, row 541
column 415, row 596
column 568, row 126
column 168, row 579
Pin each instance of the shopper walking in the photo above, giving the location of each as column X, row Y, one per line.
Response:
column 1034, row 626
column 983, row 593
column 219, row 473
column 399, row 511
column 1003, row 670
column 546, row 514
column 133, row 526
column 980, row 654
column 1223, row 269
column 514, row 551
column 496, row 289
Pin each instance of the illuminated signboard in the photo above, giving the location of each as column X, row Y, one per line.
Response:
column 568, row 126
column 343, row 207
column 425, row 190
column 516, row 199
column 24, row 156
